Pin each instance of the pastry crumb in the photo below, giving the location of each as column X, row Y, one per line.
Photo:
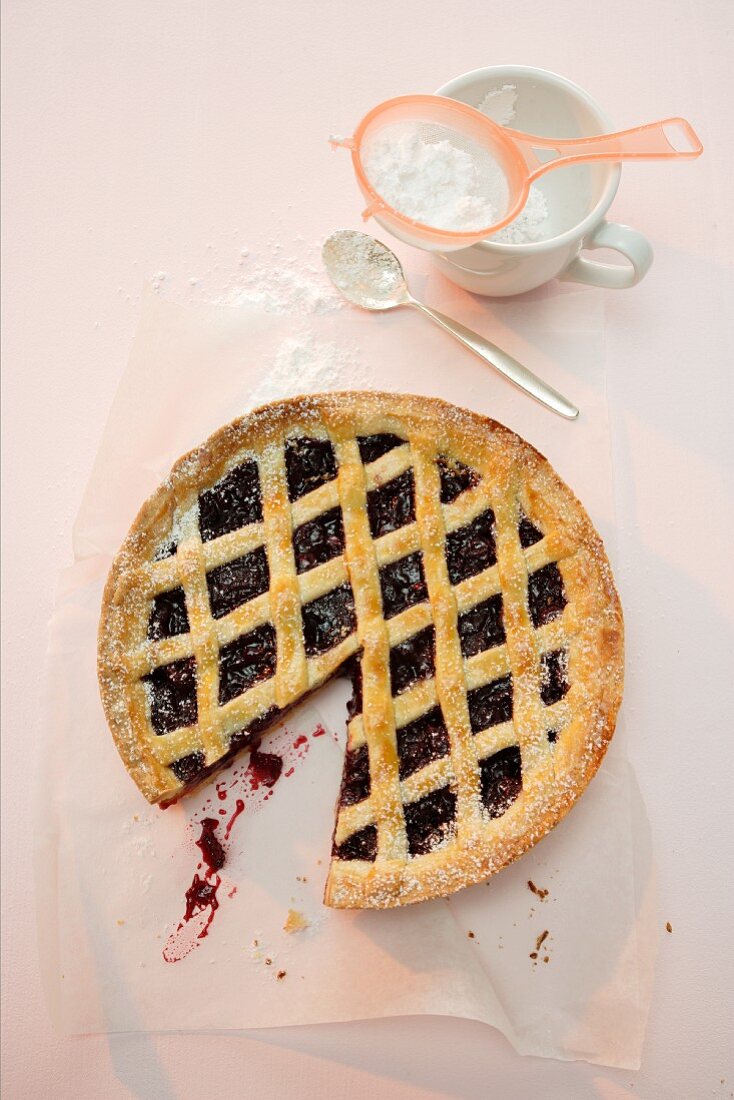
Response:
column 536, row 954
column 668, row 926
column 120, row 922
column 470, row 935
column 295, row 921
column 268, row 962
column 280, row 975
column 539, row 891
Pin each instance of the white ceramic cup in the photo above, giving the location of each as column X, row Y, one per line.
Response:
column 577, row 197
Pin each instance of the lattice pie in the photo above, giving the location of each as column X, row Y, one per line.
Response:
column 429, row 552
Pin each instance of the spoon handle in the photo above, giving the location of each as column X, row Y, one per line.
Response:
column 504, row 363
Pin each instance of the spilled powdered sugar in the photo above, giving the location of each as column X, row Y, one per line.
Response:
column 271, row 280
column 291, row 285
column 279, row 284
column 305, row 364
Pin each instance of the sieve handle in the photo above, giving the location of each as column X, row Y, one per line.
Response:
column 662, row 140
column 515, row 372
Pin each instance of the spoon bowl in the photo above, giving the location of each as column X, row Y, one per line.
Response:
column 366, row 271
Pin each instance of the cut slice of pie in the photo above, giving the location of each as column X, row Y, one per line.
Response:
column 427, row 550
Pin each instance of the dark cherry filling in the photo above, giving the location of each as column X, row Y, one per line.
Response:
column 245, row 661
column 308, row 464
column 403, row 584
column 328, row 620
column 553, row 676
column 188, row 767
column 456, row 478
column 356, row 777
column 354, row 672
column 430, row 820
column 173, row 695
column 319, row 540
column 372, row 447
column 528, row 532
column 413, row 660
column 241, row 739
column 211, row 849
column 168, row 615
column 482, row 627
column 234, row 583
column 490, row 704
column 471, row 549
column 422, row 741
column 233, row 502
column 361, row 845
column 546, row 594
column 392, row 505
column 501, row 776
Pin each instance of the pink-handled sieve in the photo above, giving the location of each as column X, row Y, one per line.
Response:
column 505, row 162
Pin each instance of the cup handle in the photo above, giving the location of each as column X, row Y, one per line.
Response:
column 631, row 244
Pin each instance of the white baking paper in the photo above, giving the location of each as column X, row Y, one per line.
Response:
column 112, row 872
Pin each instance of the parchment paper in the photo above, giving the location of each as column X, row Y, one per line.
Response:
column 112, row 872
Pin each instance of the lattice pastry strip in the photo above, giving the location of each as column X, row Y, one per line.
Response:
column 433, row 551
column 378, row 716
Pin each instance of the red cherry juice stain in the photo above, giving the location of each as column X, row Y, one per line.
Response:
column 265, row 768
column 254, row 784
column 238, row 809
column 210, row 846
column 202, row 895
column 201, row 905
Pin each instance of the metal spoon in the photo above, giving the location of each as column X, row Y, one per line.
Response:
column 370, row 275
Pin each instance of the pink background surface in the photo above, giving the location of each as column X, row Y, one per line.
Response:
column 138, row 137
